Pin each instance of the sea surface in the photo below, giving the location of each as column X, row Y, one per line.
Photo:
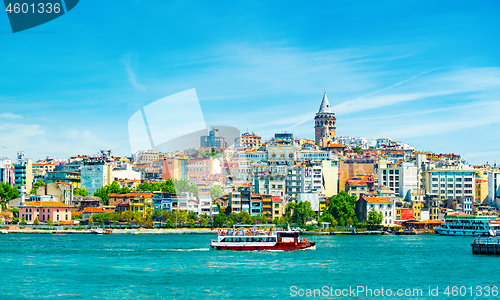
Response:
column 40, row 266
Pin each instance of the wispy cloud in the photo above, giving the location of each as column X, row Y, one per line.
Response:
column 132, row 77
column 38, row 141
column 9, row 116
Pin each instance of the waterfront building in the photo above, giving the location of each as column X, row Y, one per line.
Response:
column 449, row 183
column 318, row 202
column 23, row 172
column 88, row 212
column 62, row 191
column 250, row 140
column 267, row 207
column 256, row 205
column 350, row 167
column 401, row 178
column 95, row 175
column 360, row 184
column 324, row 123
column 205, row 202
column 406, row 214
column 278, row 207
column 380, row 204
column 45, row 211
column 73, row 178
column 433, row 204
column 494, row 187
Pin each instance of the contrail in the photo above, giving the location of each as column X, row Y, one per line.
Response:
column 384, row 89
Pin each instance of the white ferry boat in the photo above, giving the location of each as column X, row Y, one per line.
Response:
column 242, row 239
column 468, row 225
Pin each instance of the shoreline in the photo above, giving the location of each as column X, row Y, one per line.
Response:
column 185, row 231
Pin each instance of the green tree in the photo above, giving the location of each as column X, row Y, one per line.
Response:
column 168, row 223
column 36, row 222
column 23, row 221
column 300, row 212
column 113, row 188
column 219, row 220
column 91, row 221
column 216, row 192
column 49, row 222
column 191, row 223
column 103, row 194
column 8, row 192
column 342, row 207
column 36, row 185
column 80, row 192
column 357, row 149
column 374, row 217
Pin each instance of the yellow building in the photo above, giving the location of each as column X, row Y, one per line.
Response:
column 267, row 207
column 133, row 202
column 417, row 208
column 481, row 190
column 278, row 209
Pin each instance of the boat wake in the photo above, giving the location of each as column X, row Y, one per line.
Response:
column 186, row 250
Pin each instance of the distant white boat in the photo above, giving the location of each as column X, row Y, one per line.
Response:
column 4, row 232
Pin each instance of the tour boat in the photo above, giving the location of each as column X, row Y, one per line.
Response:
column 238, row 239
column 469, row 225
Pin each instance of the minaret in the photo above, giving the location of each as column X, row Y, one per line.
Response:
column 324, row 123
column 23, row 194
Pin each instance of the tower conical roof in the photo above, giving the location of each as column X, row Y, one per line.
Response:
column 325, row 105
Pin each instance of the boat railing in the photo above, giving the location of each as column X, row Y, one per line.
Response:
column 487, row 241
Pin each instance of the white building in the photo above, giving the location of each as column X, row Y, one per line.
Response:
column 399, row 178
column 126, row 172
column 494, row 187
column 381, row 205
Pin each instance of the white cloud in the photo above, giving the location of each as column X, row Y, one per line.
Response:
column 9, row 116
column 38, row 141
column 132, row 77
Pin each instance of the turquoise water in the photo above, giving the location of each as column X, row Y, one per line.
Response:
column 183, row 267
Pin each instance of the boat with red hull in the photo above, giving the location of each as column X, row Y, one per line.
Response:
column 256, row 240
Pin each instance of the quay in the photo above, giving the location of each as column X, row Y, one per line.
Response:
column 486, row 246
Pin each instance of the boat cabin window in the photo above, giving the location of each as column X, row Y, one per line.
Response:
column 289, row 234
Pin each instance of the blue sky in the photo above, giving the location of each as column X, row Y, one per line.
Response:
column 426, row 73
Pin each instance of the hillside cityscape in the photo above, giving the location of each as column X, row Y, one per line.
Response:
column 326, row 182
